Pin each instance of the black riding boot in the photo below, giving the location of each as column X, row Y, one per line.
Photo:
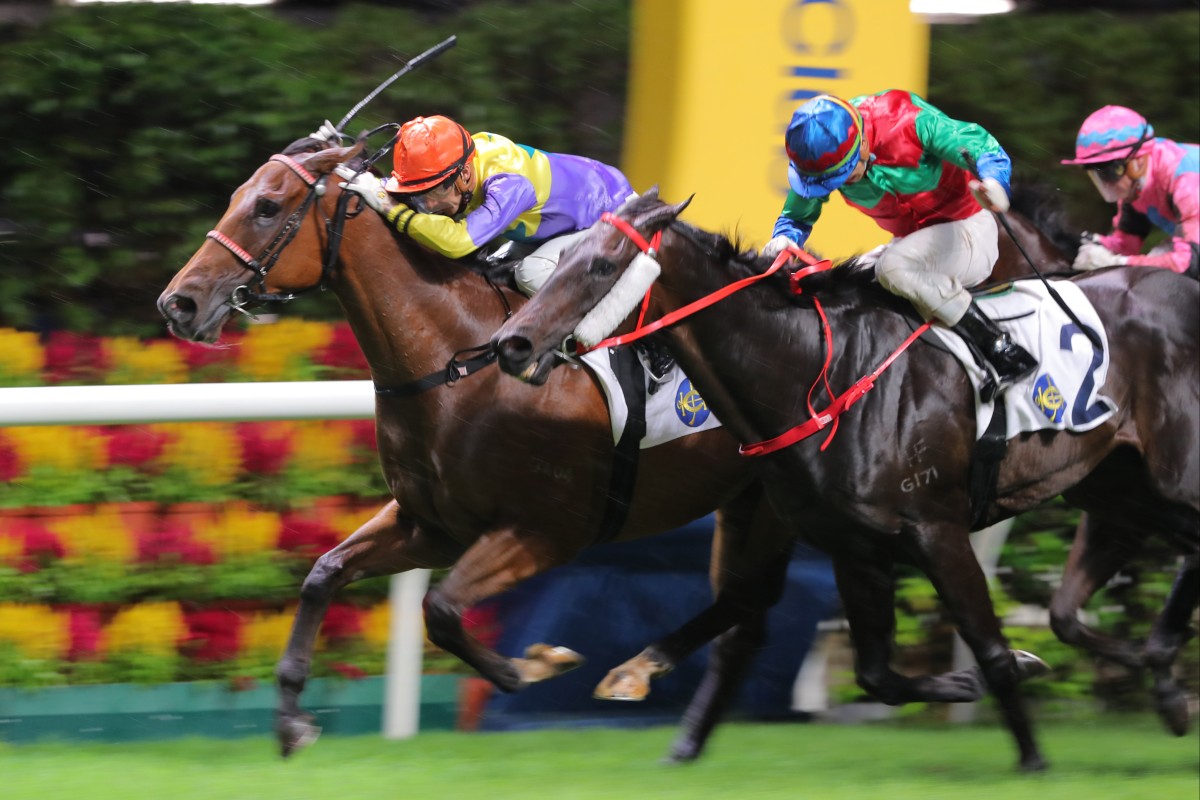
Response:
column 1010, row 361
column 656, row 358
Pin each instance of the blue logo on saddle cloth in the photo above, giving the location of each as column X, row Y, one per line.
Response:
column 1048, row 398
column 689, row 405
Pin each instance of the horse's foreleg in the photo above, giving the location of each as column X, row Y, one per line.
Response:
column 495, row 563
column 1099, row 550
column 949, row 562
column 386, row 544
column 1171, row 631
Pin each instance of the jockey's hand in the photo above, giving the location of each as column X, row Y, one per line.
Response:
column 989, row 194
column 1093, row 255
column 327, row 133
column 776, row 246
column 368, row 186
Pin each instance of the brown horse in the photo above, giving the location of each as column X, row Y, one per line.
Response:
column 755, row 355
column 495, row 480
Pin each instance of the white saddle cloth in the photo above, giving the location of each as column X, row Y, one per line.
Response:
column 675, row 410
column 1064, row 392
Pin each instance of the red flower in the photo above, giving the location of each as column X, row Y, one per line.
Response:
column 133, row 445
column 85, row 632
column 305, row 536
column 265, row 448
column 75, row 358
column 200, row 356
column 362, row 434
column 348, row 670
column 10, row 461
column 343, row 354
column 39, row 545
column 172, row 541
column 342, row 622
column 214, row 634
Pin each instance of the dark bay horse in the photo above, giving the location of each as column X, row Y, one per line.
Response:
column 754, row 356
column 493, row 479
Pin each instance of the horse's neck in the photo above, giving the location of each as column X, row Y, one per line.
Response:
column 410, row 311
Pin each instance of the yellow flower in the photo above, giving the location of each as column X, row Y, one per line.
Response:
column 134, row 361
column 21, row 356
column 319, row 445
column 38, row 631
column 154, row 628
column 277, row 351
column 240, row 530
column 208, row 451
column 267, row 632
column 10, row 548
column 99, row 535
column 375, row 624
column 59, row 447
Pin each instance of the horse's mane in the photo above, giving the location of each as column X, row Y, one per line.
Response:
column 1037, row 202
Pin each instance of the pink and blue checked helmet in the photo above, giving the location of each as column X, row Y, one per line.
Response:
column 823, row 142
column 1114, row 133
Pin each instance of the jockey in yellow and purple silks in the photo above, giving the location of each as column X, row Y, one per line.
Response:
column 899, row 160
column 454, row 192
column 1153, row 181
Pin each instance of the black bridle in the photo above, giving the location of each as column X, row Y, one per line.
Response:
column 244, row 295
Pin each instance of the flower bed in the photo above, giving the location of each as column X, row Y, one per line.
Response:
column 175, row 552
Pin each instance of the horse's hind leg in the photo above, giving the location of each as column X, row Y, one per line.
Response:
column 386, row 544
column 947, row 559
column 868, row 593
column 1101, row 547
column 495, row 563
column 1171, row 631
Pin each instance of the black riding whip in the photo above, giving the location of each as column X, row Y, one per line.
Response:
column 1092, row 336
column 412, row 64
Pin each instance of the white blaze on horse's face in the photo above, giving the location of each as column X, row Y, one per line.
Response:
column 620, row 301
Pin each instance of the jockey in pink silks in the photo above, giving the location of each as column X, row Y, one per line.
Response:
column 1153, row 181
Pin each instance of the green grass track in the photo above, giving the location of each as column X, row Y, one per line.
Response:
column 1112, row 758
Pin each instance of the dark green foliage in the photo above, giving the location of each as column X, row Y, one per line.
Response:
column 126, row 128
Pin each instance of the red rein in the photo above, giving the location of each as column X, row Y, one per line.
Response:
column 817, row 420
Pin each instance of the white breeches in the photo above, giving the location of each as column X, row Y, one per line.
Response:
column 934, row 267
column 535, row 268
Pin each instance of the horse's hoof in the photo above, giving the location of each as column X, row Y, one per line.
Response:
column 1034, row 763
column 296, row 733
column 1173, row 710
column 682, row 752
column 1029, row 666
column 621, row 684
column 543, row 661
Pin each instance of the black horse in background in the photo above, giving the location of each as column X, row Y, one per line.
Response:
column 754, row 356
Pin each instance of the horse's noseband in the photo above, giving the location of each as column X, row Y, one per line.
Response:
column 244, row 295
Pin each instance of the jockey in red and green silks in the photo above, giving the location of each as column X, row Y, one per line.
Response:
column 901, row 161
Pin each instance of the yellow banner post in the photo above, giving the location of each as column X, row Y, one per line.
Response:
column 713, row 85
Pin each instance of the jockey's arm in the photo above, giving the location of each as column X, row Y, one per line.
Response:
column 1131, row 227
column 947, row 138
column 505, row 197
column 798, row 217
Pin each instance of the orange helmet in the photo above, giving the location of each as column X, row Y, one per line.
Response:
column 428, row 151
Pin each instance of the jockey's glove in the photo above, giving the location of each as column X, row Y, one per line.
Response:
column 1093, row 255
column 990, row 194
column 327, row 133
column 776, row 246
column 368, row 186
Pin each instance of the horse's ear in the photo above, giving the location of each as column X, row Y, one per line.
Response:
column 324, row 161
column 661, row 215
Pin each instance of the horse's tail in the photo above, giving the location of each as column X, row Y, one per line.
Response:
column 1039, row 202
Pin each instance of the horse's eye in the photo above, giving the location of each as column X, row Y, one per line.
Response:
column 265, row 208
column 602, row 266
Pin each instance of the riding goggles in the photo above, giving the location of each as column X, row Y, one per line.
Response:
column 1109, row 171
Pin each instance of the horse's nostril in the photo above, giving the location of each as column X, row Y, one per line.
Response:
column 178, row 306
column 515, row 349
